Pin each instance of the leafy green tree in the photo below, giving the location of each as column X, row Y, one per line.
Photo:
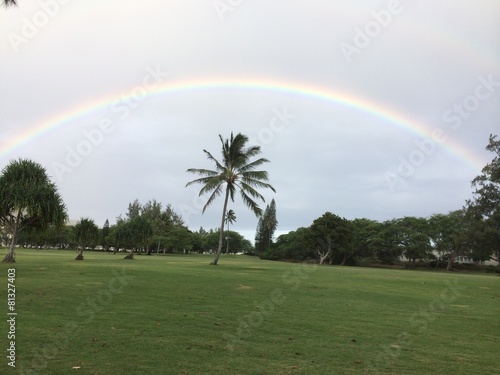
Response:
column 293, row 245
column 163, row 222
column 87, row 235
column 134, row 210
column 152, row 213
column 133, row 234
column 236, row 172
column 450, row 235
column 28, row 199
column 387, row 242
column 105, row 232
column 210, row 241
column 178, row 239
column 484, row 207
column 330, row 234
column 197, row 240
column 414, row 238
column 364, row 240
column 169, row 215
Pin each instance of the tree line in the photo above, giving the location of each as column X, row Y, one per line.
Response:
column 437, row 240
column 33, row 212
column 472, row 232
column 144, row 229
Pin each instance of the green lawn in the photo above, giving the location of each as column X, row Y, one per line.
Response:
column 176, row 314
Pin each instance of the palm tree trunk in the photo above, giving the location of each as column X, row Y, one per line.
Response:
column 9, row 258
column 221, row 235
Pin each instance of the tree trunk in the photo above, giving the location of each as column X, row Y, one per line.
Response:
column 345, row 259
column 80, row 255
column 451, row 260
column 221, row 235
column 10, row 257
column 323, row 257
column 130, row 255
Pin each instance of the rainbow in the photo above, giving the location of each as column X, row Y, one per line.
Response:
column 341, row 98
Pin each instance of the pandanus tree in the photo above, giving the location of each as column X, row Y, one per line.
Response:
column 87, row 235
column 235, row 172
column 28, row 199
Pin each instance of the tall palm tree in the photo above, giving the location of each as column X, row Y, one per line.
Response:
column 236, row 172
column 28, row 199
column 230, row 219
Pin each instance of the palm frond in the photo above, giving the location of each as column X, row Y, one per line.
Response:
column 258, row 184
column 219, row 166
column 201, row 171
column 212, row 197
column 250, row 203
column 211, row 184
column 201, row 180
column 252, row 151
column 251, row 166
column 8, row 3
column 250, row 190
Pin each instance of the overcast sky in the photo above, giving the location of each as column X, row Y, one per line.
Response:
column 375, row 109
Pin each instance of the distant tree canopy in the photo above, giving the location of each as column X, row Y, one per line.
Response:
column 484, row 207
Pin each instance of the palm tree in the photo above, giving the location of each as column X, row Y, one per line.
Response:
column 230, row 219
column 28, row 199
column 235, row 172
column 9, row 2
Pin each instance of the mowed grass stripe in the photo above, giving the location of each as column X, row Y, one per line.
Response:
column 178, row 315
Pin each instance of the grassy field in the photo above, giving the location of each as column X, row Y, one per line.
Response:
column 176, row 314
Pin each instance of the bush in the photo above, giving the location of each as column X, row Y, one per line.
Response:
column 493, row 269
